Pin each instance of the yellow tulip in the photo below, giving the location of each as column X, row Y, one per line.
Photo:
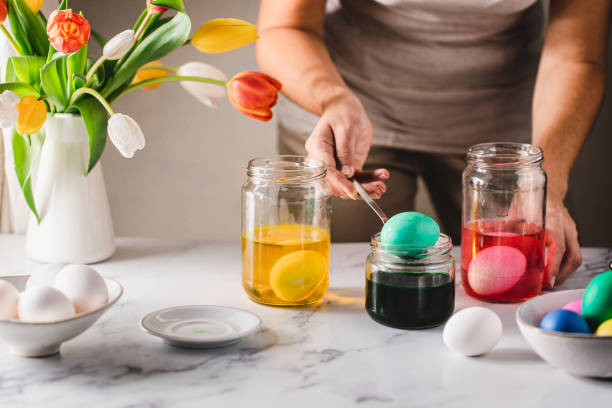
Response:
column 32, row 115
column 148, row 71
column 224, row 34
column 35, row 5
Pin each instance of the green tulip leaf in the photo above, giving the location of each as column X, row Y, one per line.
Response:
column 20, row 88
column 155, row 24
column 75, row 64
column 150, row 26
column 156, row 45
column 25, row 156
column 171, row 4
column 78, row 80
column 25, row 69
column 32, row 26
column 18, row 34
column 54, row 81
column 96, row 118
column 42, row 18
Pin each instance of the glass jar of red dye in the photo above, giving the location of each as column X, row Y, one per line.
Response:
column 504, row 205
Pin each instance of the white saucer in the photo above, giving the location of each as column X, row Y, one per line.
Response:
column 200, row 326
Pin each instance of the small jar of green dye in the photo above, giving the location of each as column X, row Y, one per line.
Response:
column 410, row 287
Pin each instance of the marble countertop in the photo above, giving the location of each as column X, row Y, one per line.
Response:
column 329, row 355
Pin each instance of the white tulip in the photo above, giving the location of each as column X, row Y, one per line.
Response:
column 125, row 134
column 119, row 45
column 205, row 93
column 8, row 108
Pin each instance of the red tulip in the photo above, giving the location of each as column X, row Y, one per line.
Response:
column 155, row 9
column 254, row 94
column 67, row 31
column 3, row 11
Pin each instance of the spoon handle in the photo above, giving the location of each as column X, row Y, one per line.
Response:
column 370, row 201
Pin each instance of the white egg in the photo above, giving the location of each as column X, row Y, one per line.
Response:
column 44, row 276
column 43, row 304
column 83, row 286
column 9, row 296
column 472, row 331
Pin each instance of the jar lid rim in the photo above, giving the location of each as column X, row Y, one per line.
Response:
column 504, row 154
column 286, row 168
column 442, row 246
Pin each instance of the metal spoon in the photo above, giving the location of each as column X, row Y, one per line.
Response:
column 370, row 201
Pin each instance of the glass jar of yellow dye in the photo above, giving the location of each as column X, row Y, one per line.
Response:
column 286, row 214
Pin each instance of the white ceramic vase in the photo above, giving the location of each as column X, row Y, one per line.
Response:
column 75, row 219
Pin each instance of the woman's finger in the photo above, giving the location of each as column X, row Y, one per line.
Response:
column 340, row 186
column 375, row 189
column 572, row 258
column 320, row 144
column 555, row 241
column 374, row 175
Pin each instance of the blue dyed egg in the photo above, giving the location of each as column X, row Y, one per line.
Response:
column 565, row 321
column 410, row 229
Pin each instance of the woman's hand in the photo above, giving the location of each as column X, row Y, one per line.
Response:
column 291, row 49
column 561, row 237
column 342, row 139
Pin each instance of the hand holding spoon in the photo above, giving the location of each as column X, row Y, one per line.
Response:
column 370, row 201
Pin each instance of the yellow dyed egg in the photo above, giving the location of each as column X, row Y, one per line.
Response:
column 605, row 329
column 296, row 275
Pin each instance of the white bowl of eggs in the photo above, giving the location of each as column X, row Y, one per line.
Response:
column 581, row 354
column 39, row 312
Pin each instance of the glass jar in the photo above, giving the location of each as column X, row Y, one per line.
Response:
column 410, row 287
column 504, row 206
column 286, row 213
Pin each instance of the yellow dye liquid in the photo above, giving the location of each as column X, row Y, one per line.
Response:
column 286, row 265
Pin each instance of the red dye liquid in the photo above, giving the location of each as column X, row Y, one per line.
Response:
column 502, row 274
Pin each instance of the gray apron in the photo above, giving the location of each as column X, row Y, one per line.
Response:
column 435, row 75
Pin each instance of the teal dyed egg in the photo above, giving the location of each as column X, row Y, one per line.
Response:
column 410, row 229
column 597, row 299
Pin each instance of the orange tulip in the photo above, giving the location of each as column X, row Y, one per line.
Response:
column 155, row 9
column 67, row 31
column 254, row 94
column 3, row 11
column 148, row 71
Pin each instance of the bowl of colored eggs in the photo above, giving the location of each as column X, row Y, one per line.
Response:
column 39, row 312
column 572, row 329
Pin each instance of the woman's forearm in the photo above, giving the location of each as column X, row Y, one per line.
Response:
column 566, row 102
column 570, row 84
column 291, row 49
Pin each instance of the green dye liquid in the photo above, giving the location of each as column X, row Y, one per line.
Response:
column 410, row 300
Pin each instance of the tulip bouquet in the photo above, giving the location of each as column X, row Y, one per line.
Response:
column 52, row 73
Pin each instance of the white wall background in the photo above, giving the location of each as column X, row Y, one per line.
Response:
column 186, row 182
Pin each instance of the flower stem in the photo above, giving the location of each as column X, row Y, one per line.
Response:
column 174, row 78
column 142, row 25
column 93, row 69
column 11, row 40
column 93, row 93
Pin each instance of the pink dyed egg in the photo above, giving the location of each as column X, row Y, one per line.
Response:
column 575, row 306
column 496, row 269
